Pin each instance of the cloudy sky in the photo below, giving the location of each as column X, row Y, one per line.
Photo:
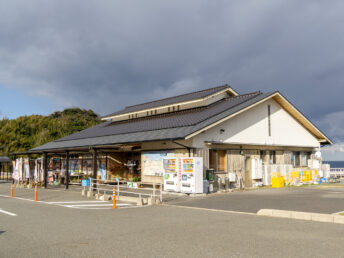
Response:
column 103, row 55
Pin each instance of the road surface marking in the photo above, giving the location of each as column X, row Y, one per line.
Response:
column 76, row 202
column 91, row 205
column 95, row 205
column 215, row 210
column 19, row 198
column 8, row 213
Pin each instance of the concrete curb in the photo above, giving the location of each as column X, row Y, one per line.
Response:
column 320, row 217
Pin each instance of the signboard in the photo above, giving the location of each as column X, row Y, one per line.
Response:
column 188, row 165
column 153, row 162
column 85, row 182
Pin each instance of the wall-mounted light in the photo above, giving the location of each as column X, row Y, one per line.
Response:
column 222, row 131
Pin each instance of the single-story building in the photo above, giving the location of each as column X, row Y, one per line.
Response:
column 5, row 167
column 232, row 132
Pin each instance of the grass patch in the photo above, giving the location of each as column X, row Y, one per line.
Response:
column 342, row 213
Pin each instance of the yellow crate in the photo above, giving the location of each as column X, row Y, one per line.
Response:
column 277, row 182
column 295, row 174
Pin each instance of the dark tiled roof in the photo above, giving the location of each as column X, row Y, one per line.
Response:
column 4, row 159
column 163, row 121
column 169, row 101
column 161, row 127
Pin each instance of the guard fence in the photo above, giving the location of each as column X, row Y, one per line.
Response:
column 124, row 188
column 337, row 172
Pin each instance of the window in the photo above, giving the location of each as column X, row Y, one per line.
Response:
column 272, row 157
column 217, row 160
column 309, row 155
column 296, row 158
column 156, row 111
column 221, row 160
column 212, row 159
column 262, row 155
column 305, row 156
column 168, row 109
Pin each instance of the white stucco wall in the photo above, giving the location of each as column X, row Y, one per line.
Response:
column 251, row 127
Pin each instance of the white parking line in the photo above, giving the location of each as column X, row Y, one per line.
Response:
column 90, row 205
column 95, row 205
column 75, row 202
column 8, row 213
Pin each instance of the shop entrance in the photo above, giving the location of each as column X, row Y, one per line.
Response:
column 122, row 166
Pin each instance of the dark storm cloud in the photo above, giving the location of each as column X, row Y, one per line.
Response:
column 107, row 54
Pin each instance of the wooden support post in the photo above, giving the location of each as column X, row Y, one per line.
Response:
column 106, row 165
column 82, row 163
column 14, row 158
column 67, row 169
column 45, row 168
column 94, row 164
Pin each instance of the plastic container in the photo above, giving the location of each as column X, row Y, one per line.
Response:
column 211, row 186
column 278, row 182
column 227, row 183
column 205, row 186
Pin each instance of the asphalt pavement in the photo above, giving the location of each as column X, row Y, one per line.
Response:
column 315, row 199
column 49, row 230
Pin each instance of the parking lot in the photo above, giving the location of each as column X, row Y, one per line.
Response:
column 60, row 197
column 317, row 199
column 51, row 229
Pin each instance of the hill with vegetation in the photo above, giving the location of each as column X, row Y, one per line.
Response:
column 26, row 132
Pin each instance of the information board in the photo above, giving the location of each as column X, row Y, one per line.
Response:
column 153, row 162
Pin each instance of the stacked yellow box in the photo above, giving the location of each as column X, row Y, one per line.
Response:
column 295, row 176
column 307, row 176
column 277, row 182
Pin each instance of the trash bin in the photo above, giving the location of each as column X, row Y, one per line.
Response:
column 227, row 183
column 205, row 186
column 216, row 186
column 219, row 182
column 211, row 186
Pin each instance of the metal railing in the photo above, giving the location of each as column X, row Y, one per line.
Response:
column 121, row 188
column 337, row 172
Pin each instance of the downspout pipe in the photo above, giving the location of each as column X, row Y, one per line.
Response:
column 186, row 147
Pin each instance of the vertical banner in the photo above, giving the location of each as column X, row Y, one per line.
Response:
column 15, row 175
column 20, row 169
column 35, row 174
column 102, row 171
column 27, row 168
